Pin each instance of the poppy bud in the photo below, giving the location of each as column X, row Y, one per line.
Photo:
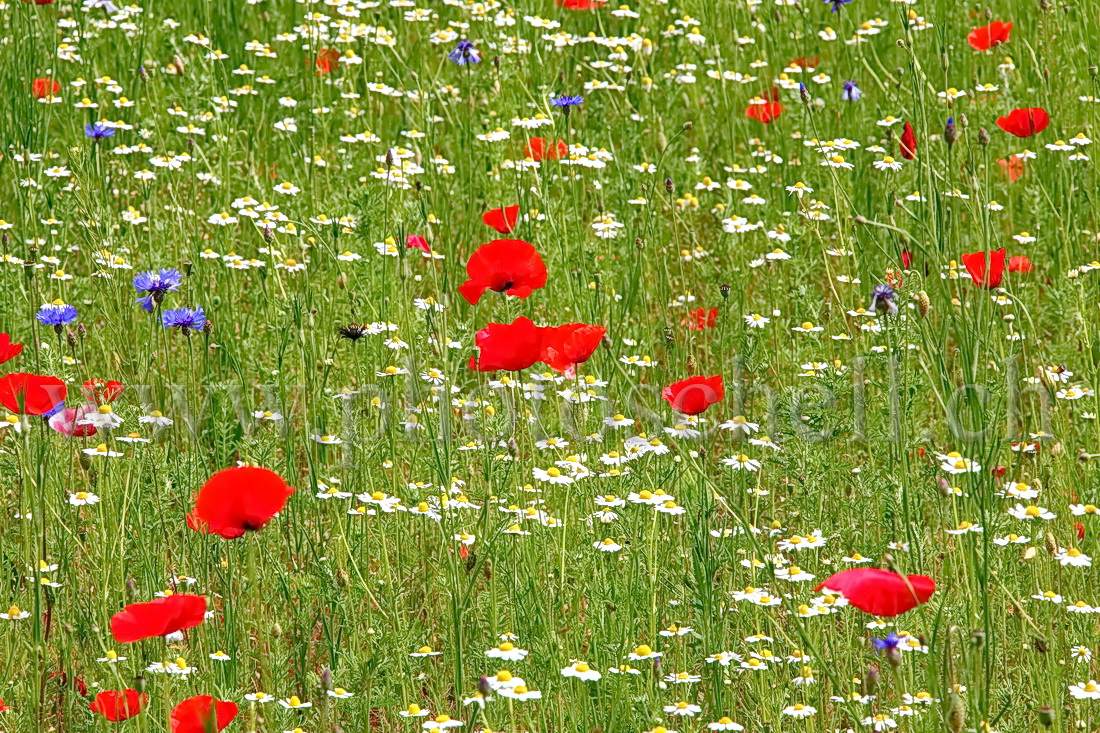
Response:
column 870, row 680
column 188, row 266
column 923, row 304
column 724, row 289
column 662, row 142
column 956, row 712
column 139, row 683
column 983, row 137
column 1046, row 716
column 342, row 281
column 977, row 638
column 1051, row 543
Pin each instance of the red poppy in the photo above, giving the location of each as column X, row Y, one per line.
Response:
column 767, row 110
column 975, row 263
column 116, row 705
column 8, row 350
column 78, row 684
column 507, row 346
column 31, row 394
column 986, row 37
column 1013, row 166
column 539, row 149
column 327, row 61
column 908, row 146
column 503, row 219
column 693, row 396
column 564, row 347
column 202, row 714
column 701, row 319
column 580, row 4
column 804, row 63
column 237, row 500
column 880, row 592
column 102, row 390
column 1024, row 122
column 906, row 259
column 41, row 88
column 158, row 617
column 415, row 241
column 1020, row 264
column 1080, row 530
column 510, row 266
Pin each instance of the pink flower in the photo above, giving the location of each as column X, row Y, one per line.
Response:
column 415, row 240
column 65, row 422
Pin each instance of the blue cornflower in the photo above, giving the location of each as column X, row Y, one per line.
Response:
column 57, row 314
column 184, row 318
column 464, row 53
column 156, row 284
column 889, row 643
column 837, row 4
column 882, row 299
column 98, row 130
column 851, row 92
column 567, row 102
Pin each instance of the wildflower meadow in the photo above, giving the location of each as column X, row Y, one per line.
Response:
column 535, row 366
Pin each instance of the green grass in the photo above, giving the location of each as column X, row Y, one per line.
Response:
column 321, row 598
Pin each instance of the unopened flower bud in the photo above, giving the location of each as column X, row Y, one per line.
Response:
column 956, row 712
column 950, row 132
column 924, row 304
column 870, row 680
